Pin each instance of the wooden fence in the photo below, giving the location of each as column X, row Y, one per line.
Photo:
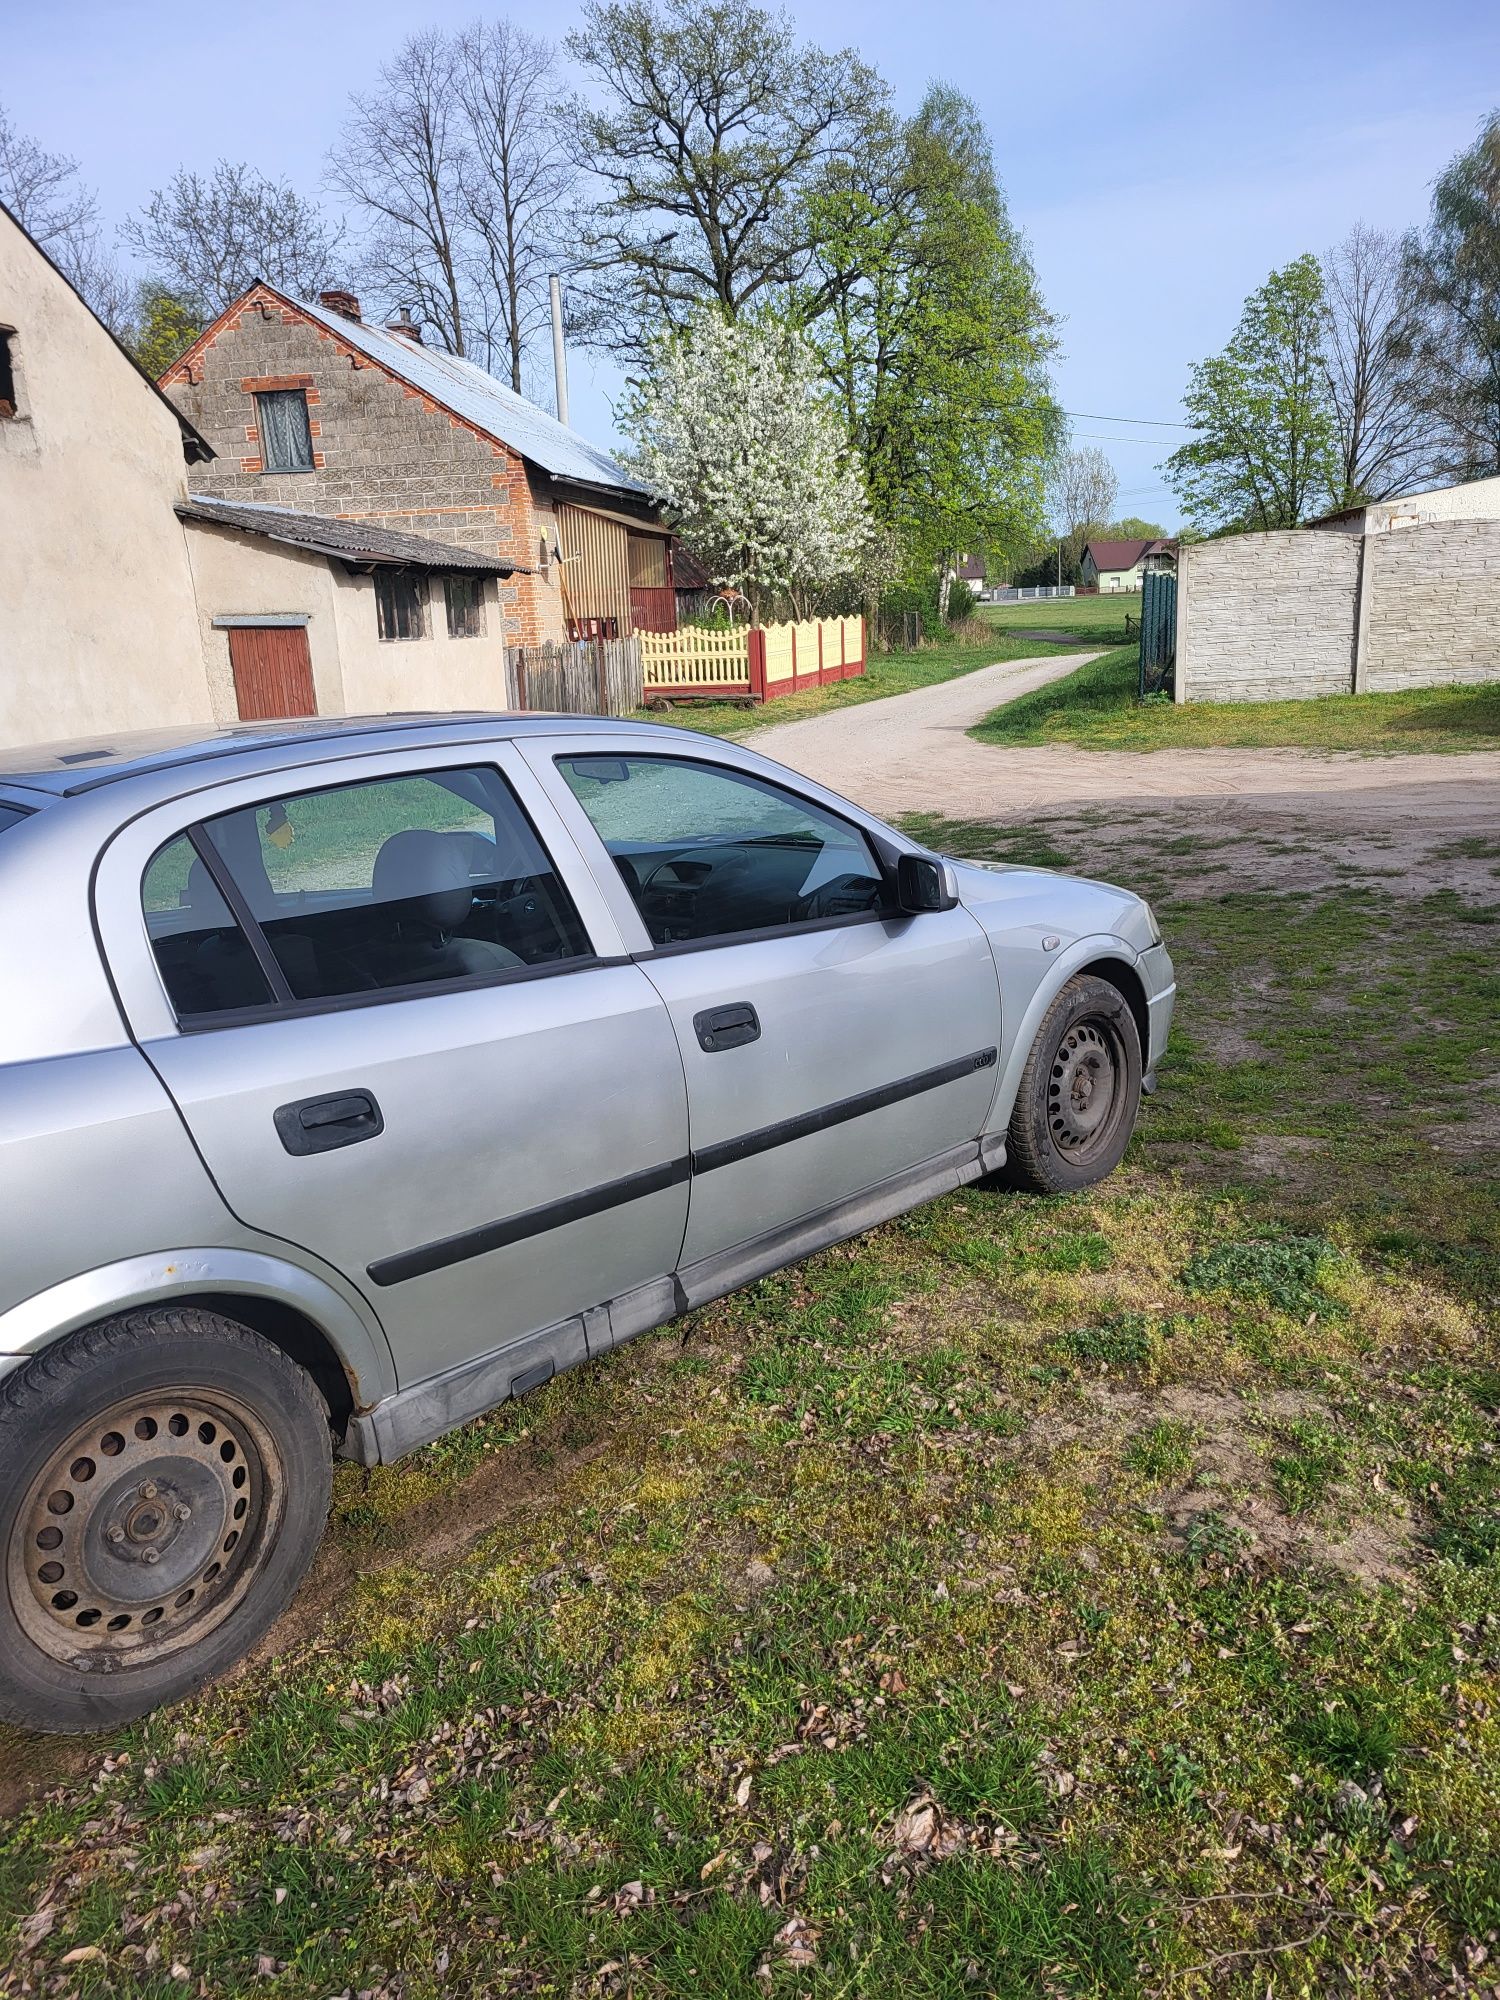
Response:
column 593, row 677
column 749, row 666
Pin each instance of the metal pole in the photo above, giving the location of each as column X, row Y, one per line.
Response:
column 559, row 354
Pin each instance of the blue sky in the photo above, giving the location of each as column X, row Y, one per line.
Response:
column 1161, row 159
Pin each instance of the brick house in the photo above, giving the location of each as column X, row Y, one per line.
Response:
column 309, row 407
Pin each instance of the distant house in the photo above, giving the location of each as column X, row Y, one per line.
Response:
column 1473, row 500
column 971, row 571
column 309, row 407
column 129, row 600
column 1113, row 566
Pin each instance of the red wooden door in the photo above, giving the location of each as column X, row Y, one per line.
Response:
column 272, row 671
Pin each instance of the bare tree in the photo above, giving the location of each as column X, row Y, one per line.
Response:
column 715, row 129
column 403, row 161
column 46, row 195
column 208, row 238
column 1081, row 493
column 1385, row 437
column 515, row 178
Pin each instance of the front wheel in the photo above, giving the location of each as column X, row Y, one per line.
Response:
column 1080, row 1091
column 164, row 1480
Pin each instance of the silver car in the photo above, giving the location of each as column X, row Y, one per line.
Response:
column 356, row 1077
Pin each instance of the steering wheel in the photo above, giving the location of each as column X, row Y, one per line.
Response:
column 847, row 895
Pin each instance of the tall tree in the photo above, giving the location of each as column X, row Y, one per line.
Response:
column 1384, row 434
column 1265, row 451
column 207, row 238
column 734, row 428
column 712, row 127
column 401, row 160
column 514, row 178
column 1081, row 492
column 1453, row 273
column 163, row 325
column 48, row 197
column 921, row 302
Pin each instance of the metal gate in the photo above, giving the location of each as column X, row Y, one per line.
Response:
column 1158, row 631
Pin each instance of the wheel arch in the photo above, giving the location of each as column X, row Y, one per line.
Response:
column 302, row 1314
column 1124, row 977
column 1108, row 956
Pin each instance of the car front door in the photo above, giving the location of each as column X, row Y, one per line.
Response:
column 831, row 1044
column 398, row 1020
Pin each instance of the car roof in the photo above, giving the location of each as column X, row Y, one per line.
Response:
column 64, row 770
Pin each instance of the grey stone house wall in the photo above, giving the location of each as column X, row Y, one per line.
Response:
column 1266, row 617
column 382, row 451
column 1434, row 611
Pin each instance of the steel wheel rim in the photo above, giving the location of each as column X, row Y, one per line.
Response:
column 145, row 1529
column 1086, row 1090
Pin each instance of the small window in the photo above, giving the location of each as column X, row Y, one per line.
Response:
column 8, row 402
column 707, row 852
column 285, row 434
column 204, row 958
column 399, row 882
column 465, row 598
column 401, row 604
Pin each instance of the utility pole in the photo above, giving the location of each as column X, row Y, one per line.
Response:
column 559, row 354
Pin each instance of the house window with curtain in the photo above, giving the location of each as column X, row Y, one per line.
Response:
column 465, row 599
column 401, row 604
column 285, row 434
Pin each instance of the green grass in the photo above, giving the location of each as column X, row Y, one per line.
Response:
column 1092, row 1597
column 1096, row 708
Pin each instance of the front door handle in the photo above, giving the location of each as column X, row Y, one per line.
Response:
column 322, row 1124
column 728, row 1027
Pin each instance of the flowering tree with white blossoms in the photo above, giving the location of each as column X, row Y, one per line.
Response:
column 734, row 430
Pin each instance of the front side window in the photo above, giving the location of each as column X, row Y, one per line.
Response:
column 401, row 604
column 464, row 596
column 285, row 433
column 397, row 882
column 706, row 852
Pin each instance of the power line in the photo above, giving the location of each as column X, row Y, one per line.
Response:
column 1114, row 437
column 1154, row 423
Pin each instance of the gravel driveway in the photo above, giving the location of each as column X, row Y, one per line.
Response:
column 910, row 753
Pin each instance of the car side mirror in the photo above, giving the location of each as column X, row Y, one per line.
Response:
column 924, row 883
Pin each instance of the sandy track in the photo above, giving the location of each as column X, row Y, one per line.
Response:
column 911, row 753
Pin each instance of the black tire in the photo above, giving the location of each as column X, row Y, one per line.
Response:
column 1080, row 1091
column 164, row 1481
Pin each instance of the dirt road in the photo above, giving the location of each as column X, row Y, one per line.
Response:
column 911, row 753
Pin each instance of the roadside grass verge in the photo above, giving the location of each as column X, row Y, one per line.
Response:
column 885, row 674
column 1098, row 621
column 1055, row 1598
column 1096, row 708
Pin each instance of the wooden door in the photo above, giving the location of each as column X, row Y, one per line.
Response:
column 272, row 671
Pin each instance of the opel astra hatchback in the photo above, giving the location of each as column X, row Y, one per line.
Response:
column 356, row 1077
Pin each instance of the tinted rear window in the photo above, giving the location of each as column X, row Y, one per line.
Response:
column 9, row 815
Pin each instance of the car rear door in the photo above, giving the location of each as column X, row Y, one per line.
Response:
column 830, row 1044
column 400, row 1023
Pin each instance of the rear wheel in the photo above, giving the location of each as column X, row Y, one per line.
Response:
column 1080, row 1091
column 165, row 1482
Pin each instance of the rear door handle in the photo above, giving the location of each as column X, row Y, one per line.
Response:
column 728, row 1027
column 322, row 1124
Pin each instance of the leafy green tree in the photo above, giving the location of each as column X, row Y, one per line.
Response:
column 1265, row 453
column 711, row 127
column 1131, row 528
column 165, row 324
column 1453, row 278
column 922, row 304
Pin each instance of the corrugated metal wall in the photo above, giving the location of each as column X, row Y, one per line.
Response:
column 597, row 582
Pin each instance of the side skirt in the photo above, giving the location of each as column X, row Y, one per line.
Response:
column 414, row 1417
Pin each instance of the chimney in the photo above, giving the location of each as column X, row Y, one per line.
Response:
column 405, row 325
column 345, row 304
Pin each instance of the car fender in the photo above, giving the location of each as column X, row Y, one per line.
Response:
column 175, row 1275
column 1020, row 1031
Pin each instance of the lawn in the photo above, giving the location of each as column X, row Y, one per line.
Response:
column 1096, row 708
column 1055, row 1598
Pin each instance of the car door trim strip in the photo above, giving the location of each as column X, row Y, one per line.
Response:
column 510, row 1229
column 727, row 1151
column 457, row 1249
